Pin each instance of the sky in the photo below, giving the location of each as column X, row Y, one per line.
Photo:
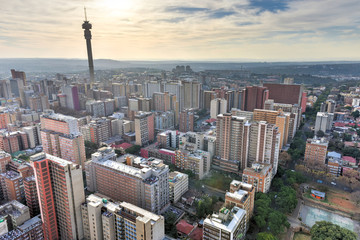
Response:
column 254, row 30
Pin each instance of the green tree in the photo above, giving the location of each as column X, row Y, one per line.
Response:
column 277, row 222
column 90, row 148
column 320, row 133
column 286, row 200
column 329, row 231
column 265, row 236
column 170, row 219
column 133, row 149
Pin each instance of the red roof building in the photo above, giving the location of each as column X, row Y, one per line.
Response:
column 349, row 160
column 184, row 228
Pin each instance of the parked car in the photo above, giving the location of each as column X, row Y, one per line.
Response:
column 333, row 183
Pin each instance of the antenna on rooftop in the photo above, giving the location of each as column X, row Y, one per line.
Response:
column 85, row 13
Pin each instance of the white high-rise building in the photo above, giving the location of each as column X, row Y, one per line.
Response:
column 324, row 121
column 217, row 106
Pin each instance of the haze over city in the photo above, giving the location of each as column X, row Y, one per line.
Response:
column 247, row 30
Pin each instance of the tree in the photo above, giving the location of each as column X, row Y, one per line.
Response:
column 329, row 231
column 355, row 196
column 355, row 114
column 320, row 133
column 286, row 200
column 90, row 148
column 284, row 158
column 265, row 236
column 277, row 222
column 133, row 149
column 170, row 219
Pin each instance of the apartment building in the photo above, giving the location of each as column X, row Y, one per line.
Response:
column 315, row 151
column 179, row 184
column 97, row 131
column 217, row 106
column 5, row 159
column 31, row 195
column 144, row 182
column 192, row 141
column 61, row 188
column 226, row 225
column 144, row 128
column 186, row 121
column 12, row 187
column 198, row 161
column 259, row 176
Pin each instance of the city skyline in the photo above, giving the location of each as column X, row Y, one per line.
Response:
column 205, row 30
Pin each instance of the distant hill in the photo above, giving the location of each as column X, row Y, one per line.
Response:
column 42, row 65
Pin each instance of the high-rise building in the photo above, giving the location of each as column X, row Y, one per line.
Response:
column 285, row 93
column 227, row 224
column 60, row 136
column 12, row 142
column 104, row 219
column 31, row 195
column 254, row 97
column 258, row 175
column 72, row 97
column 145, row 182
column 191, row 93
column 279, row 118
column 144, row 128
column 97, row 131
column 12, row 186
column 288, row 80
column 5, row 159
column 264, row 142
column 4, row 119
column 323, row 121
column 232, row 140
column 217, row 106
column 303, row 102
column 30, row 229
column 33, row 135
column 61, row 188
column 5, row 89
column 151, row 87
column 192, row 141
column 179, row 184
column 198, row 161
column 208, row 97
column 328, row 106
column 13, row 214
column 18, row 75
column 315, row 152
column 241, row 195
column 119, row 89
column 164, row 120
column 186, row 122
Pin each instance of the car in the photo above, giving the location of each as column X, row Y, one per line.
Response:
column 333, row 183
column 319, row 181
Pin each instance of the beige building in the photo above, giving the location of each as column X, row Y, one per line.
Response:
column 217, row 106
column 179, row 184
column 259, row 175
column 226, row 225
column 196, row 161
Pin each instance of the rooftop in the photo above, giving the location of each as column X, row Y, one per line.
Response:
column 226, row 219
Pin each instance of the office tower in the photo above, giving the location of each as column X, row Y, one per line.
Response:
column 144, row 128
column 241, row 195
column 186, row 122
column 60, row 183
column 315, row 152
column 12, row 142
column 144, row 182
column 60, row 136
column 198, row 161
column 13, row 214
column 259, row 175
column 72, row 97
column 227, row 224
column 323, row 121
column 208, row 97
column 288, row 80
column 264, row 142
column 179, row 184
column 33, row 135
column 12, row 186
column 5, row 159
column 97, row 131
column 217, row 106
column 87, row 34
column 18, row 75
column 5, row 89
column 192, row 141
column 232, row 139
column 17, row 88
column 191, row 93
column 164, row 120
column 285, row 93
column 254, row 97
column 279, row 118
column 31, row 195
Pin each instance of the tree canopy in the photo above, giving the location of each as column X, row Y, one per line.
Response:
column 329, row 231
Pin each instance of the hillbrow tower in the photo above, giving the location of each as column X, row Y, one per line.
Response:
column 87, row 34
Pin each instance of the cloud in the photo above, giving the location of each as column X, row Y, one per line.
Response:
column 181, row 29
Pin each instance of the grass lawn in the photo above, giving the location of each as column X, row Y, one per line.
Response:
column 218, row 180
column 301, row 236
